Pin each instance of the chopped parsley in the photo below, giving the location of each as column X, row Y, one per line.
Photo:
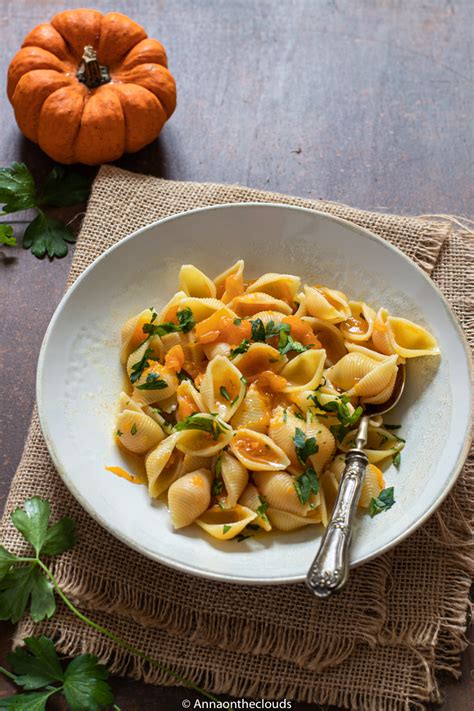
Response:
column 218, row 484
column 225, row 394
column 383, row 502
column 141, row 365
column 286, row 344
column 182, row 375
column 226, row 528
column 304, row 446
column 242, row 537
column 118, row 433
column 243, row 347
column 392, row 427
column 133, row 429
column 153, row 382
column 261, row 509
column 339, row 407
column 306, row 484
column 237, row 321
column 397, row 459
column 211, row 425
column 185, row 323
column 253, row 527
column 258, row 330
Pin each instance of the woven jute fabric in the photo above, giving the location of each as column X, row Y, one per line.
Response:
column 378, row 645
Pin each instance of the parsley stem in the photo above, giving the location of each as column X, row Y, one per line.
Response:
column 118, row 640
column 8, row 674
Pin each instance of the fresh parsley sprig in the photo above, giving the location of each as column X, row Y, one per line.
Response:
column 339, row 407
column 137, row 368
column 27, row 581
column 307, row 483
column 185, row 324
column 44, row 235
column 383, row 502
column 286, row 343
column 212, row 425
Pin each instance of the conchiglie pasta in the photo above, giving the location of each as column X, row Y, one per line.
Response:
column 281, row 286
column 189, row 496
column 225, row 524
column 235, row 477
column 195, row 283
column 137, row 432
column 244, row 406
column 222, row 388
column 163, row 466
column 257, row 451
column 326, row 304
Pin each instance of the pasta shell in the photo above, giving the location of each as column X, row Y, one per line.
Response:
column 163, row 466
column 325, row 441
column 360, row 324
column 286, row 521
column 126, row 403
column 250, row 304
column 279, row 286
column 304, row 371
column 235, row 477
column 254, row 411
column 259, row 357
column 195, row 440
column 132, row 333
column 330, row 338
column 326, row 304
column 168, row 312
column 224, row 288
column 300, row 301
column 282, row 430
column 367, row 351
column 359, row 375
column 201, row 308
column 189, row 400
column 193, row 352
column 138, row 432
column 194, row 283
column 189, row 496
column 191, row 462
column 222, row 388
column 410, row 340
column 257, row 452
column 381, row 333
column 372, row 486
column 154, row 345
column 252, row 500
column 156, row 374
column 278, row 489
column 381, row 444
column 225, row 524
column 211, row 350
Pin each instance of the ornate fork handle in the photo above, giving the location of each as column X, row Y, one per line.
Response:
column 330, row 569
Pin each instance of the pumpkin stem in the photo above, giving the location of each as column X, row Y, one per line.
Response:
column 90, row 72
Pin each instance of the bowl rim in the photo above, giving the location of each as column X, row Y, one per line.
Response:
column 188, row 568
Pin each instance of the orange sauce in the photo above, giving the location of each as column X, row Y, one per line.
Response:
column 174, row 359
column 220, row 327
column 138, row 335
column 234, row 286
column 356, row 326
column 270, row 382
column 301, row 331
column 118, row 471
column 186, row 406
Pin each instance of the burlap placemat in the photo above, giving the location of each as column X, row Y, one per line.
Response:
column 403, row 614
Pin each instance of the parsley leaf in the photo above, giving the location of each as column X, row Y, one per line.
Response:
column 243, row 347
column 141, row 365
column 342, row 412
column 32, row 522
column 46, row 235
column 37, row 666
column 392, row 427
column 185, row 323
column 6, row 235
column 383, row 502
column 287, row 344
column 258, row 330
column 304, row 446
column 226, row 528
column 212, row 425
column 397, row 458
column 306, row 484
column 64, row 188
column 261, row 509
column 17, row 188
column 224, row 392
column 153, row 382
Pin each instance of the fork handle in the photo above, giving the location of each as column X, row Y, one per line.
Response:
column 330, row 569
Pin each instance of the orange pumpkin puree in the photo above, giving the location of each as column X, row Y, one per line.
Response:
column 356, row 326
column 174, row 359
column 221, row 328
column 118, row 471
column 301, row 331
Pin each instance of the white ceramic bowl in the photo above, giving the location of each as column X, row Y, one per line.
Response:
column 80, row 377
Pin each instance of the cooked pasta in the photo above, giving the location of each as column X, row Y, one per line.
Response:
column 244, row 397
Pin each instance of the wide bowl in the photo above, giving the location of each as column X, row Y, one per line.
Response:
column 80, row 377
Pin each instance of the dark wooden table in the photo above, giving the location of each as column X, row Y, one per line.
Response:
column 367, row 102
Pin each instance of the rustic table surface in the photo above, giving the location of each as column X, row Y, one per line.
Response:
column 367, row 102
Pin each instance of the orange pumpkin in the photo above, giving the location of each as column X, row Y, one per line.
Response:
column 89, row 87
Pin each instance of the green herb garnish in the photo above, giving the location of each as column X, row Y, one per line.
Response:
column 212, row 425
column 258, row 330
column 153, row 382
column 392, row 427
column 237, row 321
column 397, row 458
column 342, row 412
column 243, row 347
column 261, row 509
column 306, row 484
column 118, row 433
column 226, row 528
column 141, row 365
column 133, row 429
column 6, row 235
column 185, row 323
column 223, row 391
column 383, row 502
column 304, row 446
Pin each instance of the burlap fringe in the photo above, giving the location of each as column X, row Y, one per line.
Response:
column 210, row 628
column 121, row 663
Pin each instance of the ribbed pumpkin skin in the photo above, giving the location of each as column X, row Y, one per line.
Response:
column 73, row 123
